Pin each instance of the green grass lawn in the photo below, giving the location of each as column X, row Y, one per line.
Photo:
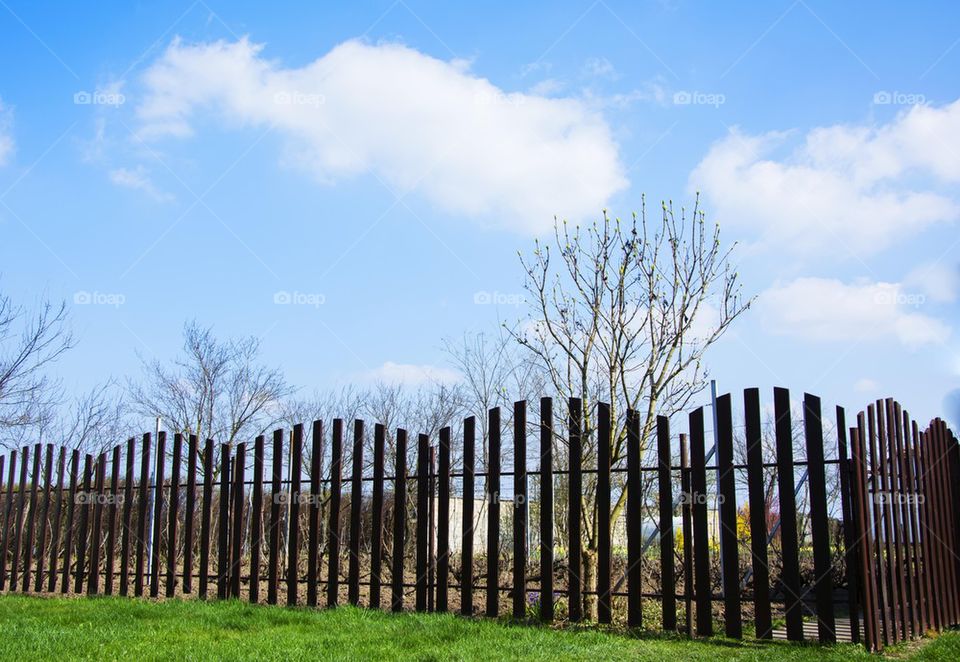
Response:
column 34, row 628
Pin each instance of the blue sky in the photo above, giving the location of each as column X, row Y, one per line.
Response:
column 379, row 165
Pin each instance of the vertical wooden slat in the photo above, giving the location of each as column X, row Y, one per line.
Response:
column 466, row 558
column 206, row 508
column 142, row 514
column 758, row 513
column 889, row 559
column 604, row 606
column 44, row 516
column 276, row 502
column 789, row 543
column 634, row 530
column 256, row 519
column 82, row 531
column 157, row 514
column 313, row 527
column 31, row 519
column 443, row 521
column 71, row 512
column 61, row 494
column 126, row 518
column 493, row 513
column 819, row 525
column 945, row 535
column 931, row 533
column 333, row 533
column 293, row 535
column 546, row 509
column 867, row 431
column 519, row 509
column 18, row 524
column 665, row 499
column 7, row 524
column 223, row 524
column 952, row 472
column 115, row 499
column 399, row 520
column 851, row 539
column 916, row 529
column 949, row 528
column 865, row 546
column 892, row 494
column 376, row 517
column 575, row 546
column 190, row 507
column 173, row 513
column 701, row 550
column 93, row 580
column 431, row 527
column 729, row 553
column 423, row 504
column 895, row 414
column 686, row 513
column 356, row 509
column 237, row 530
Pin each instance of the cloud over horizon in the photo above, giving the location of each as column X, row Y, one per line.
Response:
column 513, row 160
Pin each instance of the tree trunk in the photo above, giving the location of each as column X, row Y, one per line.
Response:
column 590, row 582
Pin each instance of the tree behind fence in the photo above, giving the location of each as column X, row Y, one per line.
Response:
column 325, row 518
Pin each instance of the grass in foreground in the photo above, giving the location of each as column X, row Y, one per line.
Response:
column 33, row 628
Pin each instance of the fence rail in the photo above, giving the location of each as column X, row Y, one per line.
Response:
column 869, row 535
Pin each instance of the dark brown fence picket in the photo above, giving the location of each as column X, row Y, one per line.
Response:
column 273, row 554
column 190, row 508
column 604, row 444
column 256, row 519
column 173, row 511
column 493, row 513
column 727, row 489
column 701, row 549
column 356, row 510
column 376, row 516
column 18, row 522
column 142, row 521
column 819, row 525
column 31, row 518
column 665, row 525
column 519, row 509
column 850, row 536
column 60, row 495
column 546, row 508
column 82, row 532
column 111, row 521
column 686, row 514
column 634, row 532
column 574, row 549
column 789, row 542
column 71, row 509
column 466, row 552
column 333, row 530
column 126, row 521
column 293, row 521
column 313, row 526
column 93, row 579
column 7, row 510
column 758, row 514
column 44, row 517
column 223, row 524
column 443, row 521
column 205, row 518
column 237, row 527
column 423, row 531
column 399, row 521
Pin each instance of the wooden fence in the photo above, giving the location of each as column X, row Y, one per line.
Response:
column 875, row 549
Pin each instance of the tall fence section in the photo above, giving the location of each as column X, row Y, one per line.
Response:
column 794, row 525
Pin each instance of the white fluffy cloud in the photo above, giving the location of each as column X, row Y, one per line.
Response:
column 6, row 134
column 138, row 179
column 410, row 374
column 857, row 187
column 416, row 122
column 826, row 309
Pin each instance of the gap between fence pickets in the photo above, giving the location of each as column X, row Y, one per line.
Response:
column 899, row 491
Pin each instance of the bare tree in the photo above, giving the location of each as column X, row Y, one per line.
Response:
column 624, row 315
column 216, row 389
